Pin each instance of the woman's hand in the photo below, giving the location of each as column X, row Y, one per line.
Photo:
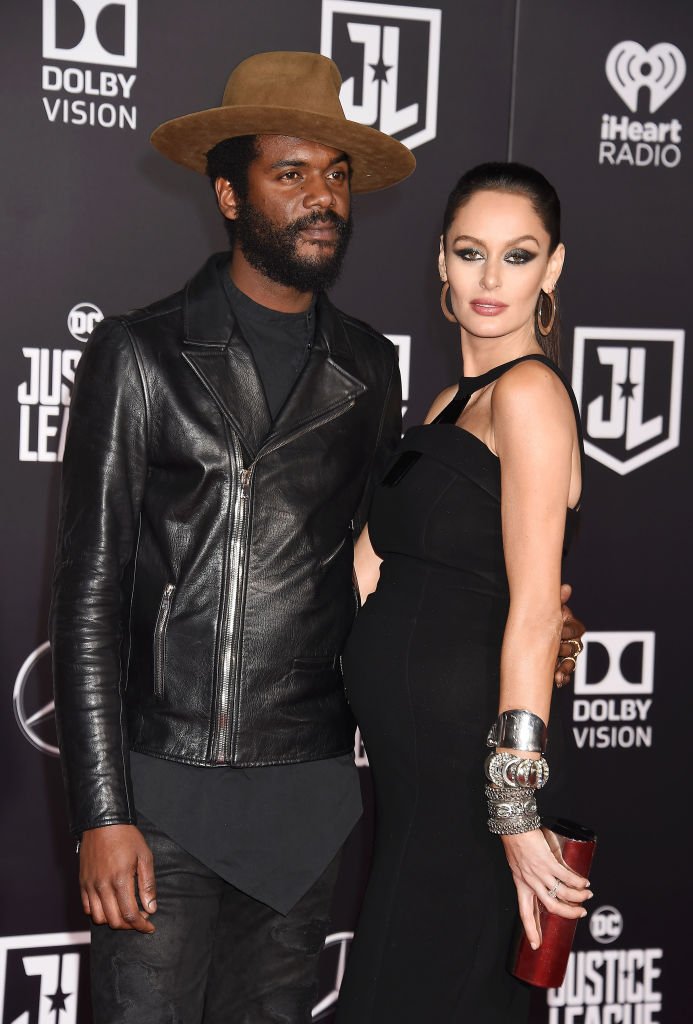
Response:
column 535, row 873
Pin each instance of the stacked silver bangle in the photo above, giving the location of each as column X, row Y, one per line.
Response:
column 513, row 780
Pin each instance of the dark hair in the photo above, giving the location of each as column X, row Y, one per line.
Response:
column 521, row 180
column 230, row 159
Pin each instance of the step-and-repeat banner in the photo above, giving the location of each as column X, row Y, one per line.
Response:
column 594, row 94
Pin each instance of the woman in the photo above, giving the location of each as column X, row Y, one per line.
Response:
column 464, row 544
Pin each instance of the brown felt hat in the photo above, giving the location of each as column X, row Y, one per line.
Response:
column 287, row 93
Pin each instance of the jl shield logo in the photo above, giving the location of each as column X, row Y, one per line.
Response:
column 332, row 966
column 43, row 978
column 32, row 700
column 628, row 385
column 402, row 342
column 630, row 68
column 91, row 31
column 389, row 57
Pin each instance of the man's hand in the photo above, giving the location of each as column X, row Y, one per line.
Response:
column 110, row 859
column 572, row 630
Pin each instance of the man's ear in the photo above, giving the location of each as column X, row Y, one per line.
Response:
column 226, row 198
column 442, row 267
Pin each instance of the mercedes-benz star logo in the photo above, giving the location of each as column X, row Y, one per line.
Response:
column 34, row 708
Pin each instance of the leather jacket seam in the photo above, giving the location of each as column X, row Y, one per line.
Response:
column 124, row 738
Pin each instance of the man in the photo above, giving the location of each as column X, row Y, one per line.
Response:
column 221, row 455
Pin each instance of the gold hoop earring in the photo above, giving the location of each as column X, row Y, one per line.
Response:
column 449, row 316
column 545, row 328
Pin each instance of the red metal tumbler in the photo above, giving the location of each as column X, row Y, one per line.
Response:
column 545, row 967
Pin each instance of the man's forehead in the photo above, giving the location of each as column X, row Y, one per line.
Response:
column 286, row 147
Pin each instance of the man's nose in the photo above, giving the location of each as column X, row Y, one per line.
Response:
column 318, row 193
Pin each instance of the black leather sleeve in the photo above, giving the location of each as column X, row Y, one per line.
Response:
column 104, row 471
column 389, row 435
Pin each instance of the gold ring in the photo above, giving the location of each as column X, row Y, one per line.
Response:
column 568, row 657
column 577, row 649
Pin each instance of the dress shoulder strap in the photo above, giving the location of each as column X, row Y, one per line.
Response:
column 468, row 385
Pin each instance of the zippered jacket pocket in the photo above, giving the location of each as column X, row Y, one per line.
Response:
column 160, row 639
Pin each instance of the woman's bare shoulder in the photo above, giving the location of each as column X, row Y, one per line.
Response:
column 531, row 387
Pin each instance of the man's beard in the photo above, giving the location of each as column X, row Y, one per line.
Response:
column 272, row 249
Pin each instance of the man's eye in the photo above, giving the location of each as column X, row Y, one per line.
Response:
column 471, row 255
column 338, row 175
column 519, row 256
column 290, row 175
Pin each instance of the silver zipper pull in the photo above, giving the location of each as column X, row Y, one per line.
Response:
column 245, row 481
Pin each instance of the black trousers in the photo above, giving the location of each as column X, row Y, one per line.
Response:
column 218, row 956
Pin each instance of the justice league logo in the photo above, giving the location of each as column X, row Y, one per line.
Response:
column 628, row 384
column 389, row 57
column 43, row 978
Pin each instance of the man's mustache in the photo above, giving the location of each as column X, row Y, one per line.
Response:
column 327, row 217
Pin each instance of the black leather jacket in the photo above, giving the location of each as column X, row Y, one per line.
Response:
column 202, row 590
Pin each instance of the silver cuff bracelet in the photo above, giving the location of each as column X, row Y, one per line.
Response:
column 518, row 730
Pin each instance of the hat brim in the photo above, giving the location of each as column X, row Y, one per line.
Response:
column 377, row 160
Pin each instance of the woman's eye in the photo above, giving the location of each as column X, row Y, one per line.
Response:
column 519, row 256
column 471, row 255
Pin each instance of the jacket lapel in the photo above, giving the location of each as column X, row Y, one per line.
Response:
column 327, row 386
column 217, row 353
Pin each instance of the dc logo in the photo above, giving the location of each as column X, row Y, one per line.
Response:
column 382, row 87
column 334, row 959
column 606, row 924
column 91, row 31
column 41, row 978
column 620, row 664
column 403, row 344
column 32, row 700
column 82, row 319
column 628, row 385
column 660, row 70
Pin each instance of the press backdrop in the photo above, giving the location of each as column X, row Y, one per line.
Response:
column 594, row 94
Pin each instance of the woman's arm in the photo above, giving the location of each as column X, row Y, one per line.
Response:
column 535, row 438
column 366, row 565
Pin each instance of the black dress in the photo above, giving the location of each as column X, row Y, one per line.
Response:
column 422, row 671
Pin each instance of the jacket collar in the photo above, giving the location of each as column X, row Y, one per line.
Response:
column 223, row 363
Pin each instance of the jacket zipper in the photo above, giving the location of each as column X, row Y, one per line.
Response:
column 160, row 639
column 229, row 702
column 231, row 646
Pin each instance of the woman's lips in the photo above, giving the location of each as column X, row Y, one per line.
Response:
column 488, row 308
